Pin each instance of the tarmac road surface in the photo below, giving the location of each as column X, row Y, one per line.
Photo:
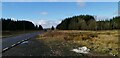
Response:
column 7, row 42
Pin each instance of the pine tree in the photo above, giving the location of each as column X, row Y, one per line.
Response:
column 52, row 28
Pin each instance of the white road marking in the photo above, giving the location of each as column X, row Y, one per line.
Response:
column 6, row 48
column 13, row 45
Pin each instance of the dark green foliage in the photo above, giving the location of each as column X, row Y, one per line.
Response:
column 40, row 27
column 11, row 25
column 111, row 24
column 116, row 22
column 81, row 22
column 87, row 22
column 52, row 28
column 64, row 24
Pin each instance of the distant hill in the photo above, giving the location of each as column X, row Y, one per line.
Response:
column 88, row 22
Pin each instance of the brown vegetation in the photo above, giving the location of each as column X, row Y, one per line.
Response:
column 99, row 42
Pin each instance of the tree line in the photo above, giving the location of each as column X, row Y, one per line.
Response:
column 81, row 22
column 11, row 25
column 88, row 22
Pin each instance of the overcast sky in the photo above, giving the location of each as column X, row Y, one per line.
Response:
column 51, row 13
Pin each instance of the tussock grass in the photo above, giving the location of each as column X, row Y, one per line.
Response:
column 100, row 42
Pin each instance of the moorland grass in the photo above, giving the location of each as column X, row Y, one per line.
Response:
column 101, row 43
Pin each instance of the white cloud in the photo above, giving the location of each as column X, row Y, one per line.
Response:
column 44, row 13
column 14, row 19
column 102, row 18
column 47, row 23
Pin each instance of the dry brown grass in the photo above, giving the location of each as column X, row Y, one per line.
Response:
column 100, row 42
